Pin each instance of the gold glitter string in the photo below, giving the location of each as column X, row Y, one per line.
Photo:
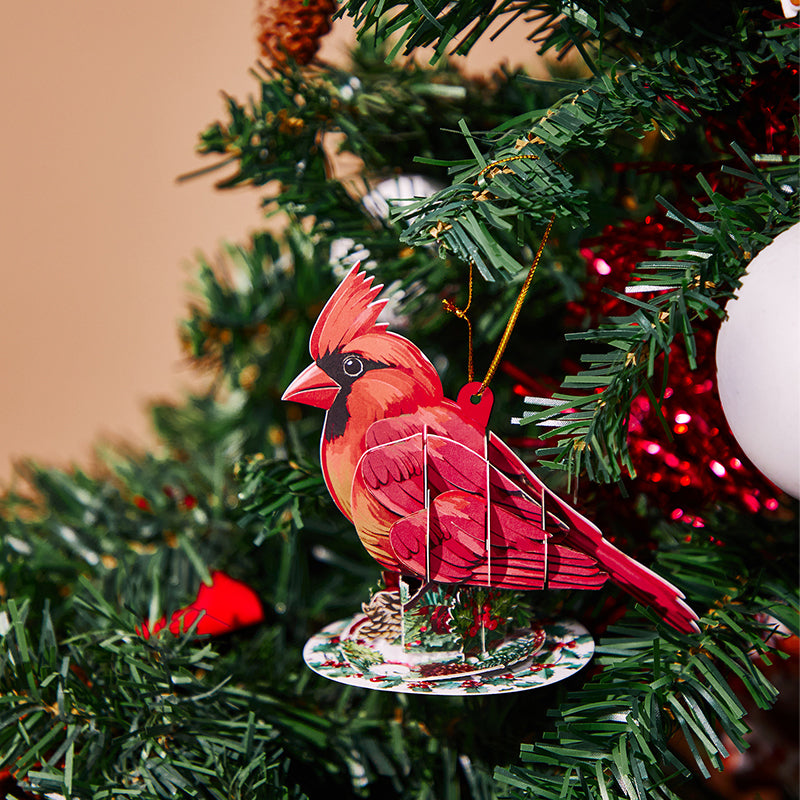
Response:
column 501, row 348
column 461, row 313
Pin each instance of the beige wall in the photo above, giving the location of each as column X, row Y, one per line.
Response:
column 102, row 102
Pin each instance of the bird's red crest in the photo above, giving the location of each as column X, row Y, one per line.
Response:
column 350, row 312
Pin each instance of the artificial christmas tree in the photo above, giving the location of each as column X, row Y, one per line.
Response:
column 95, row 704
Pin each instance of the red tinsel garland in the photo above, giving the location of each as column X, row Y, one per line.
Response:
column 699, row 464
column 763, row 121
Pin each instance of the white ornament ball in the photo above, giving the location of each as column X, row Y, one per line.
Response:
column 758, row 362
column 345, row 252
column 400, row 190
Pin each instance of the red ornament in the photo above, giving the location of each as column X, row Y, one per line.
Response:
column 431, row 492
column 141, row 503
column 228, row 605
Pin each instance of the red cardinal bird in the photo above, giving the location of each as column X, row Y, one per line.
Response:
column 429, row 492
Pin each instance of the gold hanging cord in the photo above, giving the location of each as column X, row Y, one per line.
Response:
column 461, row 313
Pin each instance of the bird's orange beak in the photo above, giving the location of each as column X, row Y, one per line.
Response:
column 312, row 387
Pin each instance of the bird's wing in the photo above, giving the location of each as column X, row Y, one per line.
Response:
column 393, row 466
column 642, row 583
column 517, row 550
column 535, row 539
column 453, row 532
column 450, row 543
column 393, row 474
column 397, row 450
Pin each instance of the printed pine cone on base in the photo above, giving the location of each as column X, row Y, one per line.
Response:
column 384, row 613
column 293, row 28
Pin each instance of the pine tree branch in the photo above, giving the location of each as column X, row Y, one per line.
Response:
column 621, row 28
column 684, row 285
column 529, row 176
column 616, row 736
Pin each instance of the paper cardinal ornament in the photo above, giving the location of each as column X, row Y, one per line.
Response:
column 430, row 492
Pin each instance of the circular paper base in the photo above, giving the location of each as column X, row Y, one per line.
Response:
column 566, row 648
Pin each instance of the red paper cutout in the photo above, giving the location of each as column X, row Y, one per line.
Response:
column 228, row 604
column 476, row 404
column 391, row 440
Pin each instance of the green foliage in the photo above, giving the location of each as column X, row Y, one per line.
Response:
column 60, row 739
column 693, row 280
column 387, row 115
column 618, row 28
column 616, row 737
column 508, row 177
column 91, row 708
column 523, row 168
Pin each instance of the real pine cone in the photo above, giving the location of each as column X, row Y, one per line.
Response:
column 293, row 28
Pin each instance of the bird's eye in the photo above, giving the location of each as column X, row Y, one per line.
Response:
column 353, row 366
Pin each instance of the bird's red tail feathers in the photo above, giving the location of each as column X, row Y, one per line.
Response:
column 647, row 587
